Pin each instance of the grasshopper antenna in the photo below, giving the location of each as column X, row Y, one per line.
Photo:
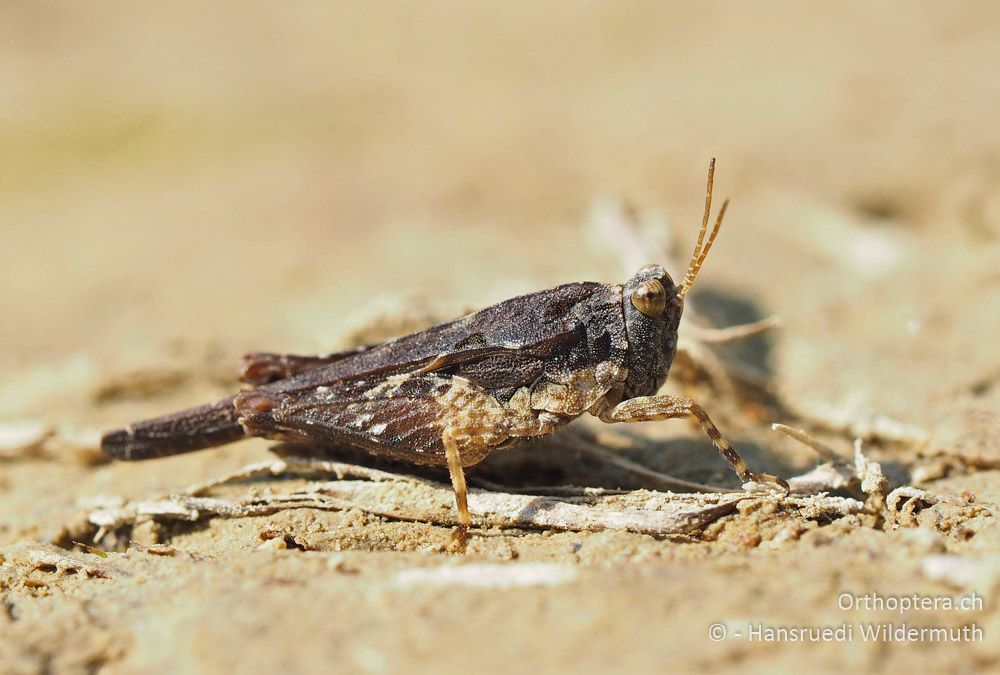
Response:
column 702, row 247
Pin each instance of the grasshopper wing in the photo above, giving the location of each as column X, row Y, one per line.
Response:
column 539, row 325
column 402, row 417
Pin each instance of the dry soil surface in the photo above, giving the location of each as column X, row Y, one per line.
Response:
column 180, row 184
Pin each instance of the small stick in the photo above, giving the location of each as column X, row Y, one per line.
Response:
column 822, row 450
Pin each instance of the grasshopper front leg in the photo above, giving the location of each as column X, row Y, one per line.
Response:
column 650, row 408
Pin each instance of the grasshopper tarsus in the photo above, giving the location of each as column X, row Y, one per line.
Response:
column 452, row 393
column 776, row 480
column 459, row 540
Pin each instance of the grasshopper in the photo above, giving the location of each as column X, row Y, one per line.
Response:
column 453, row 393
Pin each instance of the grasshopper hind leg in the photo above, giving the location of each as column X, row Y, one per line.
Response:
column 651, row 408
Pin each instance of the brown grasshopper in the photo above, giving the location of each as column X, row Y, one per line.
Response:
column 453, row 393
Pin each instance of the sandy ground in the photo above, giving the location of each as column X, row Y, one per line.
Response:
column 181, row 184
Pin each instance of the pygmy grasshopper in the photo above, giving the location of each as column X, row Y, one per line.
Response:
column 453, row 393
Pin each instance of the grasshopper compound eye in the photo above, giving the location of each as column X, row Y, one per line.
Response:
column 650, row 298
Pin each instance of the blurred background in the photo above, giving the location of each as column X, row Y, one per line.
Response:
column 183, row 182
column 259, row 177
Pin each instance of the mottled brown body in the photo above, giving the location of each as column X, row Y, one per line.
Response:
column 452, row 393
column 504, row 379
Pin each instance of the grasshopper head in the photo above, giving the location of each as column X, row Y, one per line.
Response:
column 653, row 305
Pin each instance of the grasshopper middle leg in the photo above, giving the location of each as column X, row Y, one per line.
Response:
column 457, row 482
column 477, row 441
column 650, row 408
